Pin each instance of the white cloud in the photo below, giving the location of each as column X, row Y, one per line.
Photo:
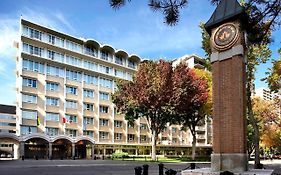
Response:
column 9, row 32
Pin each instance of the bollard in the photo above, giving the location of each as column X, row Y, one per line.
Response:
column 22, row 157
column 226, row 173
column 171, row 172
column 161, row 168
column 259, row 166
column 138, row 170
column 36, row 157
column 192, row 166
column 145, row 169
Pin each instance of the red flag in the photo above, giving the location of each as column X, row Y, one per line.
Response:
column 63, row 120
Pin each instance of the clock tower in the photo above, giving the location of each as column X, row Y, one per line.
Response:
column 229, row 87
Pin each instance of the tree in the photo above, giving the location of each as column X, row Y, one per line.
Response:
column 189, row 99
column 274, row 77
column 263, row 15
column 147, row 96
column 267, row 116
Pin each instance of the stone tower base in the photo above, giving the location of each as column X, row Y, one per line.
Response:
column 229, row 162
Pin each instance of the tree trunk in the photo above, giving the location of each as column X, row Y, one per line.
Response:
column 193, row 146
column 253, row 123
column 153, row 146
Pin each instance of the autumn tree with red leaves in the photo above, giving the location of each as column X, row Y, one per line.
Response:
column 190, row 97
column 162, row 96
column 147, row 96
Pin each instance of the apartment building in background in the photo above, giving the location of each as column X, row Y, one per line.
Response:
column 266, row 94
column 64, row 108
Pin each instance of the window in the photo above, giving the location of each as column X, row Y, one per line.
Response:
column 90, row 51
column 35, row 34
column 28, row 114
column 71, row 132
column 103, row 109
column 105, row 69
column 118, row 124
column 104, row 55
column 28, row 129
column 71, row 104
column 71, row 90
column 88, row 120
column 90, row 65
column 174, row 130
column 143, row 138
column 32, row 33
column 27, row 98
column 55, row 40
column 29, row 82
column 51, row 39
column 131, row 64
column 129, row 77
column 52, row 101
column 71, row 118
column 73, row 61
column 73, row 75
column 50, row 86
column 7, row 116
column 55, row 71
column 90, row 79
column 88, row 107
column 120, row 73
column 73, row 46
column 88, row 133
column 117, row 136
column 103, row 135
column 174, row 140
column 105, row 83
column 104, row 96
column 143, row 126
column 88, row 93
column 52, row 131
column 33, row 50
column 131, row 137
column 103, row 122
column 32, row 66
column 131, row 125
column 164, row 138
column 55, row 56
column 119, row 60
column 52, row 116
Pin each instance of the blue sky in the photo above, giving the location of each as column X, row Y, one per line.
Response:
column 134, row 28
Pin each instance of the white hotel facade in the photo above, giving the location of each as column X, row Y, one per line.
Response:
column 64, row 108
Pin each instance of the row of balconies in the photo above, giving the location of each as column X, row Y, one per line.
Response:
column 100, row 56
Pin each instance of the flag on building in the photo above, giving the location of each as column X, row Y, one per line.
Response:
column 64, row 120
column 29, row 130
column 38, row 121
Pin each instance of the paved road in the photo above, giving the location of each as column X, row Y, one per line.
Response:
column 92, row 167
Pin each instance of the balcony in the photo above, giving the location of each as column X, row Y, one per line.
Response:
column 133, row 66
column 119, row 62
column 90, row 52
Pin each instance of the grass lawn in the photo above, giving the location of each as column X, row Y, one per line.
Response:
column 163, row 159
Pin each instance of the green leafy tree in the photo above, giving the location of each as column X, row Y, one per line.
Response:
column 274, row 77
column 147, row 96
column 190, row 94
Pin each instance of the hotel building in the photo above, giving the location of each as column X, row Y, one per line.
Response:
column 64, row 108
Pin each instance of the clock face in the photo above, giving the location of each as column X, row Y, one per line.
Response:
column 225, row 36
